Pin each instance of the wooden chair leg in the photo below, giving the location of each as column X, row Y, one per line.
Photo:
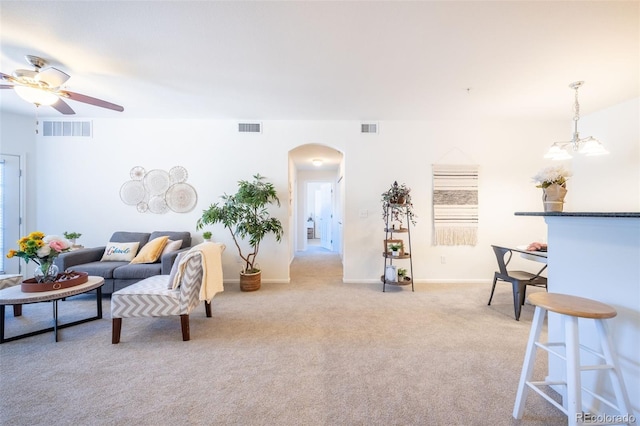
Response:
column 184, row 321
column 207, row 308
column 115, row 331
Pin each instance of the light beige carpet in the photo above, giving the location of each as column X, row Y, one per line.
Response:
column 312, row 352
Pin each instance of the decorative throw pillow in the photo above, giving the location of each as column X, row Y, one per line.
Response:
column 151, row 251
column 171, row 246
column 174, row 269
column 120, row 252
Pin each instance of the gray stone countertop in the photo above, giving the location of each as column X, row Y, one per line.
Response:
column 581, row 214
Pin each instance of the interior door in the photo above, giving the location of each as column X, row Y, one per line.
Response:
column 326, row 215
column 10, row 214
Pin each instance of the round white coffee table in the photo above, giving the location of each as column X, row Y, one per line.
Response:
column 15, row 296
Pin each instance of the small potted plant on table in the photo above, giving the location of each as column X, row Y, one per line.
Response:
column 72, row 237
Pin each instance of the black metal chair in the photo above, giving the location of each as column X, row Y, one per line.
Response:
column 519, row 279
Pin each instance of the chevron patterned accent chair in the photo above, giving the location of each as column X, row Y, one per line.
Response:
column 151, row 297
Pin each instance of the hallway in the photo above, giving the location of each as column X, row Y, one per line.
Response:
column 316, row 263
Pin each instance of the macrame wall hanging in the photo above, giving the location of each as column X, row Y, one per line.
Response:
column 455, row 204
column 158, row 191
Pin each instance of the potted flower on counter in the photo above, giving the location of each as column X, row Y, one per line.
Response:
column 553, row 181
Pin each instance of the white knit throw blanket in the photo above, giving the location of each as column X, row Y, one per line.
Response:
column 455, row 204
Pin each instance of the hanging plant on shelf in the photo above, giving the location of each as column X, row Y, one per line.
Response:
column 397, row 205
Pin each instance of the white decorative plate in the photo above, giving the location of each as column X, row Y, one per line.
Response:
column 142, row 207
column 158, row 205
column 178, row 174
column 156, row 182
column 132, row 192
column 181, row 197
column 137, row 173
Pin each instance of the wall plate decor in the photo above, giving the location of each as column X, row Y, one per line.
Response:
column 181, row 197
column 178, row 174
column 132, row 192
column 156, row 182
column 158, row 191
column 137, row 173
column 158, row 205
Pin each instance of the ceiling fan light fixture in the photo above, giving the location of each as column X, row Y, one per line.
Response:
column 35, row 95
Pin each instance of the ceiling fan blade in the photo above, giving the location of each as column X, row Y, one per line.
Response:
column 6, row 76
column 89, row 100
column 5, row 86
column 62, row 107
column 53, row 77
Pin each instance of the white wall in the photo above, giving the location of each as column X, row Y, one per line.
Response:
column 83, row 179
column 610, row 182
column 18, row 137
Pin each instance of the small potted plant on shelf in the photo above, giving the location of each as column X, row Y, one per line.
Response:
column 397, row 205
column 395, row 249
column 245, row 215
column 207, row 235
column 72, row 237
column 402, row 273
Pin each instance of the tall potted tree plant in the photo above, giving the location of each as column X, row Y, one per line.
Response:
column 245, row 215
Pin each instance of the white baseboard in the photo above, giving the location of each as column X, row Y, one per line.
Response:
column 425, row 281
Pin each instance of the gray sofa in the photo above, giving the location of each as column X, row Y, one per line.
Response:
column 121, row 274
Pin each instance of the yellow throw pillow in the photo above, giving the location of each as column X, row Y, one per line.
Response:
column 151, row 251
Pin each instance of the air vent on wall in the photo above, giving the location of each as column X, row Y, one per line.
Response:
column 66, row 128
column 369, row 128
column 250, row 127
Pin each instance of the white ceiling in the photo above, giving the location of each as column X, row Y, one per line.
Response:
column 329, row 60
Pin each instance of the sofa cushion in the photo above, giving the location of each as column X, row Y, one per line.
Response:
column 171, row 246
column 174, row 269
column 130, row 237
column 151, row 251
column 120, row 252
column 185, row 236
column 99, row 269
column 149, row 297
column 138, row 271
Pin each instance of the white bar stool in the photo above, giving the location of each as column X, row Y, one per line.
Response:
column 571, row 308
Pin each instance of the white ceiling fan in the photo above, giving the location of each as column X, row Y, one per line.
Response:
column 43, row 86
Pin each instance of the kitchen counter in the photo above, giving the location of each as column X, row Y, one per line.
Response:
column 581, row 214
column 597, row 255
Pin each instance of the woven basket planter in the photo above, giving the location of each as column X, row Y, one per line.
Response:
column 250, row 282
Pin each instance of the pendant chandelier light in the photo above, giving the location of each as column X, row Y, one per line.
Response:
column 588, row 146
